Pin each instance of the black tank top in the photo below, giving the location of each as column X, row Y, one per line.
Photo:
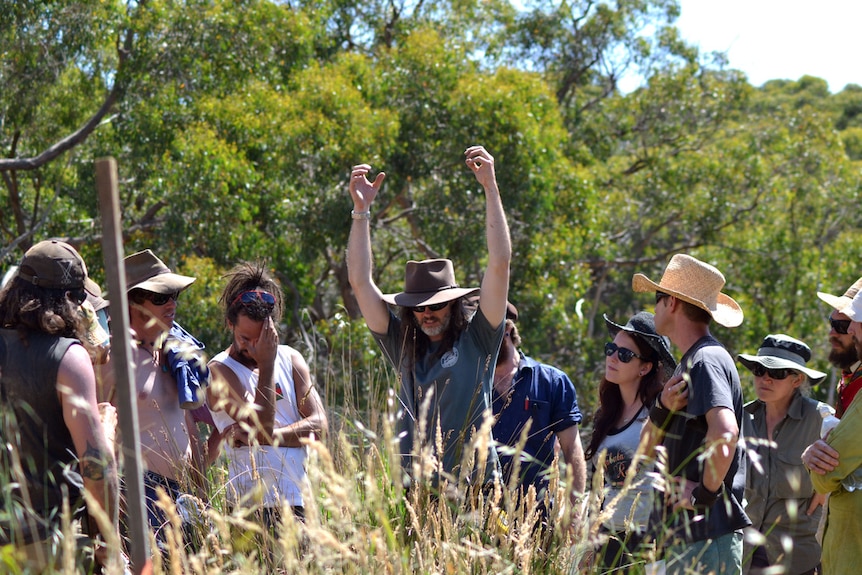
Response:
column 43, row 455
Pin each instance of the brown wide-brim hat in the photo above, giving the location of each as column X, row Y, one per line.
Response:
column 147, row 272
column 428, row 282
column 839, row 302
column 697, row 283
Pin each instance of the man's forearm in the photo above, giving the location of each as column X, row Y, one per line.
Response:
column 497, row 229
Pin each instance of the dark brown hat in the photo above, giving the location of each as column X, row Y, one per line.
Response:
column 428, row 282
column 145, row 271
column 53, row 264
column 643, row 324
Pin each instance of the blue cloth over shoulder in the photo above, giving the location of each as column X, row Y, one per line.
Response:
column 188, row 365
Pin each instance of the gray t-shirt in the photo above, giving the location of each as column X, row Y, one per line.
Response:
column 713, row 382
column 460, row 381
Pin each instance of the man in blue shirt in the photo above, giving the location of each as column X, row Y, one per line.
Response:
column 542, row 399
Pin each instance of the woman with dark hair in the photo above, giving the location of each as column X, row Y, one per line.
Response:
column 637, row 363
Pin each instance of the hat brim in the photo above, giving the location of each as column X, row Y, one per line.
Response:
column 726, row 312
column 772, row 362
column 838, row 302
column 427, row 298
column 652, row 340
column 164, row 283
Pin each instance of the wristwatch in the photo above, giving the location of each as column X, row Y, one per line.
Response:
column 703, row 498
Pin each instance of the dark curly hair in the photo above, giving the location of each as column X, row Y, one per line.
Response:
column 246, row 277
column 29, row 308
column 611, row 400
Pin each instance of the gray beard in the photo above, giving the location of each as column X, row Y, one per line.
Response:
column 435, row 331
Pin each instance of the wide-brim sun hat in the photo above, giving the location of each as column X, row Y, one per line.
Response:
column 780, row 351
column 147, row 272
column 428, row 282
column 853, row 310
column 642, row 324
column 839, row 302
column 697, row 283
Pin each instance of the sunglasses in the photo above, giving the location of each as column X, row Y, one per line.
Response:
column 77, row 296
column 161, row 298
column 840, row 325
column 759, row 371
column 660, row 295
column 624, row 353
column 255, row 295
column 435, row 307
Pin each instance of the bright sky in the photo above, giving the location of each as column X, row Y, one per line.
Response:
column 773, row 39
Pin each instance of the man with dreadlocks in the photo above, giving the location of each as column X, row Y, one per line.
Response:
column 262, row 397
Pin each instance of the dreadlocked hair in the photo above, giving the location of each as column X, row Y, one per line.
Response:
column 249, row 277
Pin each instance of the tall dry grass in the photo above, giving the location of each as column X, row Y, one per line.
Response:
column 360, row 519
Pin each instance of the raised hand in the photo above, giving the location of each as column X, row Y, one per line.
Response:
column 482, row 165
column 362, row 191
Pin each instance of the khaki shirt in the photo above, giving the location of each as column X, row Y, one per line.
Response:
column 777, row 494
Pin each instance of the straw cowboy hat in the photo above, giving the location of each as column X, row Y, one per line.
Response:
column 643, row 324
column 840, row 302
column 853, row 310
column 697, row 283
column 147, row 272
column 780, row 351
column 428, row 282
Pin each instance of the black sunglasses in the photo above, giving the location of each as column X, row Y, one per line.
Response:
column 659, row 295
column 624, row 353
column 435, row 307
column 759, row 371
column 255, row 295
column 161, row 298
column 77, row 296
column 840, row 325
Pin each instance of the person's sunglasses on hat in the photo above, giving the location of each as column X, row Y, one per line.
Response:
column 623, row 353
column 253, row 296
column 434, row 307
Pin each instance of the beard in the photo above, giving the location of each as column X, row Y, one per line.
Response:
column 438, row 329
column 844, row 357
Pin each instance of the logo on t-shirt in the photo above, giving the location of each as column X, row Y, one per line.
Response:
column 449, row 358
column 279, row 391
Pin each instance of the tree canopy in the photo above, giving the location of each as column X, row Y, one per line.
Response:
column 235, row 125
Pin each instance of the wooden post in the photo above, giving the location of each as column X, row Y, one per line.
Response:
column 121, row 346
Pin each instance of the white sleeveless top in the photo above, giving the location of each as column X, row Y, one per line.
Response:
column 265, row 473
column 632, row 509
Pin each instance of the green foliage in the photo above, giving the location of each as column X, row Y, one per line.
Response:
column 237, row 124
